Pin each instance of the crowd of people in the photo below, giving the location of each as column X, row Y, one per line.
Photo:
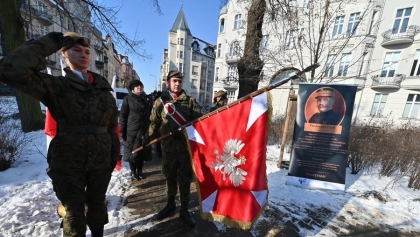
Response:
column 85, row 151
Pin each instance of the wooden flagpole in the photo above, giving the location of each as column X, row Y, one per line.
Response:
column 293, row 75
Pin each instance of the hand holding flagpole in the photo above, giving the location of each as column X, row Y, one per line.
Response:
column 291, row 76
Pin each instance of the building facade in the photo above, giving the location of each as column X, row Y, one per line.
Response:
column 193, row 57
column 373, row 44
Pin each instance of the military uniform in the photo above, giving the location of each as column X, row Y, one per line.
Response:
column 85, row 150
column 176, row 165
column 329, row 117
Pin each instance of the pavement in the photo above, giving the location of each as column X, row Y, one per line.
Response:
column 150, row 198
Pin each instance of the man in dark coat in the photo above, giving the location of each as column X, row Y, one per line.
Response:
column 219, row 100
column 84, row 152
column 134, row 123
column 325, row 101
column 176, row 164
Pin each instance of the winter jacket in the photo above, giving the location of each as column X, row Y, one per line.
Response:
column 161, row 123
column 86, row 114
column 134, row 122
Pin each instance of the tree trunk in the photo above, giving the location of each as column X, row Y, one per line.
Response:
column 250, row 65
column 12, row 35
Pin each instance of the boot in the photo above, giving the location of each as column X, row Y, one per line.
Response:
column 168, row 209
column 139, row 170
column 185, row 215
column 135, row 176
column 97, row 232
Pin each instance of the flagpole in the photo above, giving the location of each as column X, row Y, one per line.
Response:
column 293, row 75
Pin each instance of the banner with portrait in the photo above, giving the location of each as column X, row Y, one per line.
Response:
column 321, row 135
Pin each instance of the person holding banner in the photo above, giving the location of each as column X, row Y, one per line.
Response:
column 325, row 101
column 172, row 110
column 85, row 150
column 134, row 122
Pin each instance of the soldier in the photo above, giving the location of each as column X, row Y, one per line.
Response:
column 173, row 109
column 325, row 101
column 84, row 152
column 219, row 100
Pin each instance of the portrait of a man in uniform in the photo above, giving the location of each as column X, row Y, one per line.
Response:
column 325, row 100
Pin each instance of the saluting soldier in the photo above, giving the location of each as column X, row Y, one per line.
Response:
column 173, row 109
column 84, row 152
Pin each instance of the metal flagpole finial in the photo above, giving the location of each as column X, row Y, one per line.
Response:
column 293, row 75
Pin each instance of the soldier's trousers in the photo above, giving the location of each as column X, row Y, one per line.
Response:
column 76, row 189
column 176, row 167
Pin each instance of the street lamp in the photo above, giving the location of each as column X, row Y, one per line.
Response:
column 155, row 81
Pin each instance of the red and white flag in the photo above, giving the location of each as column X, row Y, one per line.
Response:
column 228, row 150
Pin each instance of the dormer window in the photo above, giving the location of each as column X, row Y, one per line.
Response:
column 195, row 46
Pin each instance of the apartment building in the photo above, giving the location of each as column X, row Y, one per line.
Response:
column 44, row 16
column 373, row 44
column 193, row 57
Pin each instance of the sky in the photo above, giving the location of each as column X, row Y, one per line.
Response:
column 140, row 16
column 28, row 203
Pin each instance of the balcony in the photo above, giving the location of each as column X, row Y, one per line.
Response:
column 98, row 48
column 99, row 64
column 387, row 82
column 230, row 84
column 105, row 59
column 41, row 14
column 393, row 37
column 230, row 59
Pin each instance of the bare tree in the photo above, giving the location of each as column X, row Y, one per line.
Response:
column 84, row 19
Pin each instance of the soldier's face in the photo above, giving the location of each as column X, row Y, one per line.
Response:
column 174, row 85
column 325, row 103
column 78, row 57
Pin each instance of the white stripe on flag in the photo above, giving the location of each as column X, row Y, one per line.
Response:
column 258, row 107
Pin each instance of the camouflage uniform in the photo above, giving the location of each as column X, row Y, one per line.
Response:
column 85, row 150
column 176, row 165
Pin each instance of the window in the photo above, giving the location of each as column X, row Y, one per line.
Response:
column 217, row 74
column 390, row 64
column 378, row 104
column 238, row 22
column 180, row 67
column 195, row 70
column 181, row 41
column 232, row 74
column 293, row 39
column 219, row 50
column 264, row 43
column 235, row 49
column 415, row 70
column 194, row 58
column 194, row 83
column 353, row 23
column 42, row 9
column 329, row 67
column 209, row 75
column 179, row 54
column 292, row 6
column 43, row 30
column 401, row 20
column 344, row 64
column 412, row 106
column 306, row 6
column 222, row 26
column 338, row 26
column 231, row 96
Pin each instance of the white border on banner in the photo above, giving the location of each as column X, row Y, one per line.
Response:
column 315, row 184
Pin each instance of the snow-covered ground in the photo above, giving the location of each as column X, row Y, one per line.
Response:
column 28, row 204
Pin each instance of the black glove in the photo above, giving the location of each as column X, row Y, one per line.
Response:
column 176, row 132
column 59, row 39
column 124, row 136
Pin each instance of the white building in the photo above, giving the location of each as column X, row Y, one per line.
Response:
column 191, row 56
column 373, row 44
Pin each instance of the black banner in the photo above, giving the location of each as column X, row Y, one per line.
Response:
column 321, row 134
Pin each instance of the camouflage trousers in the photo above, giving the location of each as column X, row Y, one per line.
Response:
column 176, row 167
column 76, row 189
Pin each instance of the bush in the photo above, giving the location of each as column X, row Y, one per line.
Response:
column 12, row 139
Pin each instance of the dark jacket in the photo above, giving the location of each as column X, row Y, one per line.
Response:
column 161, row 123
column 330, row 117
column 86, row 114
column 134, row 122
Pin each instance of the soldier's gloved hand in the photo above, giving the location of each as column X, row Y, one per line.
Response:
column 176, row 132
column 59, row 39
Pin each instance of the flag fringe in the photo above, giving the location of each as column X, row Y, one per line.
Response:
column 220, row 218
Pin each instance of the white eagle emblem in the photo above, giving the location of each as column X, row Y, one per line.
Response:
column 227, row 163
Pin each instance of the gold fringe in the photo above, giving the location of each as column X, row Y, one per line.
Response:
column 223, row 219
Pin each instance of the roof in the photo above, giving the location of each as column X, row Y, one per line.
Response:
column 202, row 46
column 181, row 23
